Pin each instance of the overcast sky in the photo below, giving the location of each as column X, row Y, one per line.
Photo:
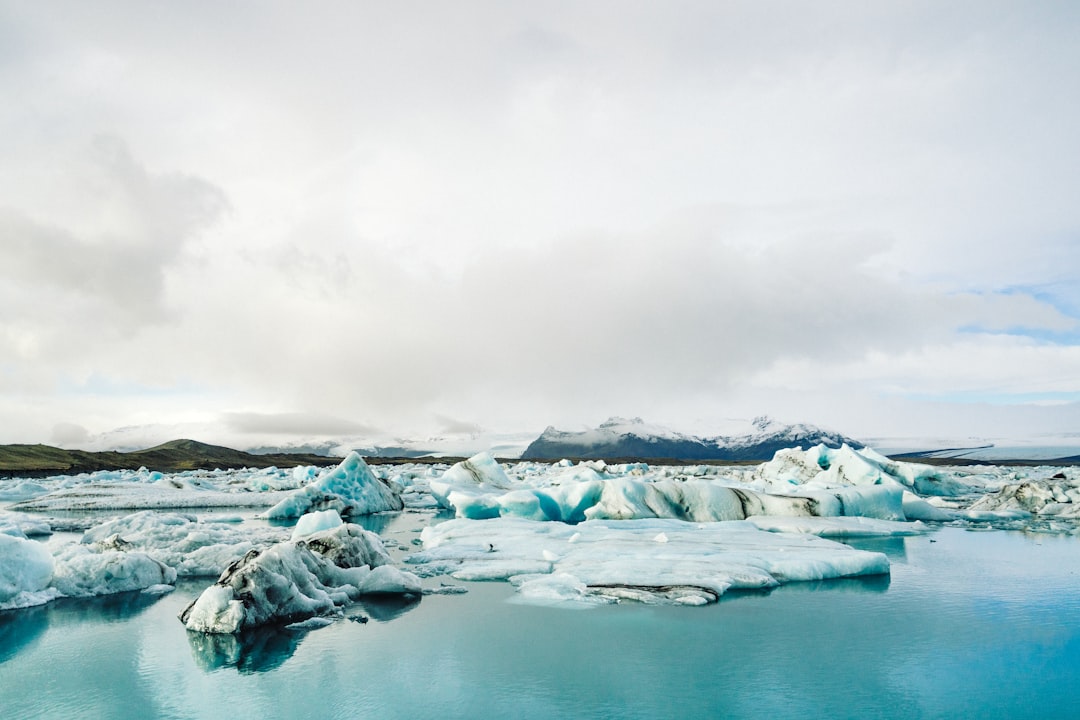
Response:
column 319, row 218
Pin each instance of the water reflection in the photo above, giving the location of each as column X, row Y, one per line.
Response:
column 894, row 548
column 874, row 584
column 385, row 608
column 267, row 647
column 255, row 650
column 20, row 628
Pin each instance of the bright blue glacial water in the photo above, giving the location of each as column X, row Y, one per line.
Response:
column 970, row 624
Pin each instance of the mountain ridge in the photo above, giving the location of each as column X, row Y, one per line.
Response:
column 632, row 437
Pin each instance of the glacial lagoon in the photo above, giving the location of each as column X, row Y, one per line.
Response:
column 955, row 592
column 968, row 624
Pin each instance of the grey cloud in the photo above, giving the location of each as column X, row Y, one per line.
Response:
column 120, row 270
column 295, row 423
column 69, row 435
column 453, row 426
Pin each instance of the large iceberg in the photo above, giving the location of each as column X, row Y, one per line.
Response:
column 350, row 489
column 656, row 561
column 298, row 579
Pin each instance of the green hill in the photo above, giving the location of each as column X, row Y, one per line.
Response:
column 173, row 456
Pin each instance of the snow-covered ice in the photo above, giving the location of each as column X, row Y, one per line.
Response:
column 26, row 568
column 192, row 546
column 31, row 575
column 645, row 560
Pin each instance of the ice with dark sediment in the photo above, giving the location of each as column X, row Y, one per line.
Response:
column 310, row 576
column 193, row 546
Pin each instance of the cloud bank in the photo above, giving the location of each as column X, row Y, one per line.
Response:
column 418, row 217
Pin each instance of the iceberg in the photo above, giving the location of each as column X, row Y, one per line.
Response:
column 656, row 561
column 827, row 467
column 298, row 579
column 588, row 496
column 349, row 489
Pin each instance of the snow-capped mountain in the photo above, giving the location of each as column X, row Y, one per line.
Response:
column 633, row 438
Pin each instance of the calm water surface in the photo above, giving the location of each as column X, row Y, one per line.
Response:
column 970, row 624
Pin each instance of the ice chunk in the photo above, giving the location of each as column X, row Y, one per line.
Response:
column 296, row 580
column 316, row 522
column 1057, row 497
column 26, row 568
column 350, row 489
column 470, row 478
column 828, row 467
column 480, row 469
column 623, row 560
column 81, row 572
column 21, row 490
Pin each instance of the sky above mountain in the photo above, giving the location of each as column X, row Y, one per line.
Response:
column 326, row 218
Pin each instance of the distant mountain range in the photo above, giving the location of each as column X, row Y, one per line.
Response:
column 633, row 438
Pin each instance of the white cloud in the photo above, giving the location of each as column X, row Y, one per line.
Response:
column 523, row 214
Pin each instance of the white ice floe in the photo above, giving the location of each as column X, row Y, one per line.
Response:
column 23, row 525
column 838, row 527
column 30, row 575
column 191, row 546
column 168, row 495
column 83, row 572
column 145, row 489
column 351, row 489
column 21, row 490
column 298, row 579
column 596, row 561
column 26, row 568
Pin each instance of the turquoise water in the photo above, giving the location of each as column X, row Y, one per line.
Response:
column 970, row 624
